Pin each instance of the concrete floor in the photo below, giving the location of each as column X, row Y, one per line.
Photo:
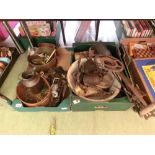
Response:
column 38, row 123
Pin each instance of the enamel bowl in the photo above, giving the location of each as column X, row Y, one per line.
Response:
column 116, row 86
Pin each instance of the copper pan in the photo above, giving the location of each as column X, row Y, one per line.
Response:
column 43, row 67
column 20, row 91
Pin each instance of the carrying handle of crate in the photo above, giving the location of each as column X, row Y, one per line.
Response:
column 101, row 107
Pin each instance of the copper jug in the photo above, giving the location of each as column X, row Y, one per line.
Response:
column 32, row 80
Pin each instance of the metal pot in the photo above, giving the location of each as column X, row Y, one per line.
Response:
column 116, row 86
column 46, row 66
column 21, row 90
column 32, row 81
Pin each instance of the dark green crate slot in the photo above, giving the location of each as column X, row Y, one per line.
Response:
column 35, row 41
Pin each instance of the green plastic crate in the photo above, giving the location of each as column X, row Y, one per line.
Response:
column 120, row 103
column 62, row 107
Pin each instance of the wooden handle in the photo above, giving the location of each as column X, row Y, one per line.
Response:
column 148, row 109
column 51, row 55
